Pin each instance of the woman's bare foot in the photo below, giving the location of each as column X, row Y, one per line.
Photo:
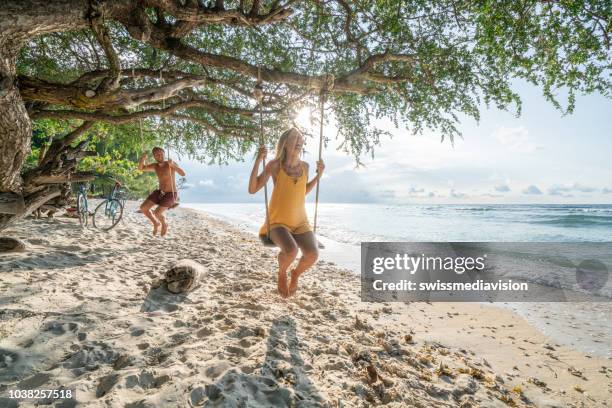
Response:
column 293, row 284
column 282, row 284
column 155, row 228
column 164, row 228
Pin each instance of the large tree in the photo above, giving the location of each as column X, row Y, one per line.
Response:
column 190, row 65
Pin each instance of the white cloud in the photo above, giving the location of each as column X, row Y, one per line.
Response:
column 456, row 194
column 532, row 190
column 502, row 188
column 206, row 183
column 414, row 192
column 516, row 139
column 576, row 187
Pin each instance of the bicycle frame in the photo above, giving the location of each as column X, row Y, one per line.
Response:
column 111, row 206
column 82, row 190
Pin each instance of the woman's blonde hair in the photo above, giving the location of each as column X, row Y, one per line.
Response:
column 281, row 151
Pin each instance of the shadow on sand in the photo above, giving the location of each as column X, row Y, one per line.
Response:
column 160, row 300
column 282, row 382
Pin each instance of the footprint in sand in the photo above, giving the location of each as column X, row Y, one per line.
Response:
column 89, row 358
column 237, row 351
column 36, row 241
column 146, row 380
column 140, row 404
column 244, row 331
column 137, row 332
column 197, row 396
column 216, row 370
column 123, row 361
column 156, row 356
column 105, row 384
column 8, row 358
column 33, row 382
column 178, row 338
column 59, row 328
column 204, row 332
column 246, row 343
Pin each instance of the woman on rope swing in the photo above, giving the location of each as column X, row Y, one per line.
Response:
column 288, row 224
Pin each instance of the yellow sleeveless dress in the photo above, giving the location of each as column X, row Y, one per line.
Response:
column 287, row 206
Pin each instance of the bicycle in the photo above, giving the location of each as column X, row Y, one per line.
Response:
column 82, row 207
column 109, row 212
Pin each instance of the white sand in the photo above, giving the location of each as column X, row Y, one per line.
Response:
column 77, row 311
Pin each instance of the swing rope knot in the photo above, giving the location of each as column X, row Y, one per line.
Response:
column 258, row 93
column 258, row 89
column 328, row 85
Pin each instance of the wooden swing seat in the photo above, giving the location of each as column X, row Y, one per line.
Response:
column 266, row 241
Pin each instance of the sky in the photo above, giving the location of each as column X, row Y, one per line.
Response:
column 539, row 157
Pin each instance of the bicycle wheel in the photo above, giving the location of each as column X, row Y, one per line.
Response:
column 82, row 210
column 108, row 214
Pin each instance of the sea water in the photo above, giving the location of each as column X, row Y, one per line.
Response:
column 342, row 227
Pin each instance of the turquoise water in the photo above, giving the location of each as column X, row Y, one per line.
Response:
column 344, row 226
column 354, row 223
column 556, row 223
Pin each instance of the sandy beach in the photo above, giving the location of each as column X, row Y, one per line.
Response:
column 80, row 309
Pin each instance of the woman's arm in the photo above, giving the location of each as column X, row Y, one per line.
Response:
column 256, row 182
column 320, row 167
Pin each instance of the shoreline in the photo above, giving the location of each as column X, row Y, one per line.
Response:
column 78, row 311
column 581, row 333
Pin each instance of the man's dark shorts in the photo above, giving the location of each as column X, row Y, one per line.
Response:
column 163, row 199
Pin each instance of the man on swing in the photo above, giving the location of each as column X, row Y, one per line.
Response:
column 165, row 196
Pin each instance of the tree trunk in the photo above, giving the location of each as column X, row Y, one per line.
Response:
column 11, row 203
column 32, row 202
column 21, row 20
column 15, row 125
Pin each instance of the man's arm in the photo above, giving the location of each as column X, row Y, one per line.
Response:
column 145, row 167
column 175, row 166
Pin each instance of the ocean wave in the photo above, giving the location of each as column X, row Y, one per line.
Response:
column 577, row 220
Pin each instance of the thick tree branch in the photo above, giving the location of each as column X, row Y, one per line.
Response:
column 189, row 53
column 31, row 202
column 227, row 131
column 128, row 117
column 196, row 13
column 34, row 90
column 376, row 59
column 93, row 76
column 61, row 144
column 111, row 82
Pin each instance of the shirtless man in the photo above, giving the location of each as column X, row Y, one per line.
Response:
column 165, row 196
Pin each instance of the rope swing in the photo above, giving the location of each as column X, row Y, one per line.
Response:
column 329, row 84
column 163, row 101
column 322, row 97
column 258, row 95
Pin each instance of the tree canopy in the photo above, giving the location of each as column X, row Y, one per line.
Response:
column 185, row 69
column 419, row 63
